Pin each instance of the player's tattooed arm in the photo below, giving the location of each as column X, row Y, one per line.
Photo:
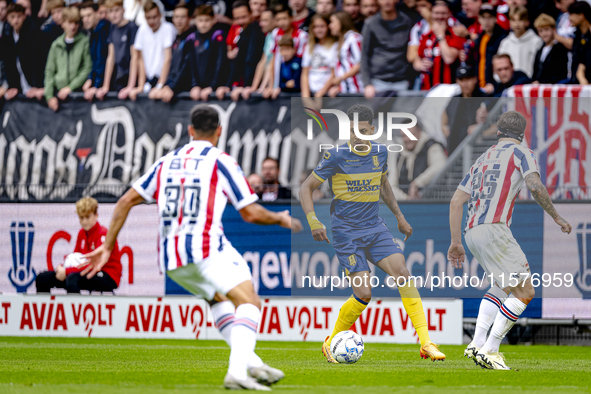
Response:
column 388, row 197
column 540, row 194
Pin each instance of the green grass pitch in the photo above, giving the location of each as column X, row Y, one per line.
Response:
column 68, row 365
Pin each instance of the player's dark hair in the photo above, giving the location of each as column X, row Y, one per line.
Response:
column 365, row 114
column 511, row 125
column 279, row 8
column 204, row 119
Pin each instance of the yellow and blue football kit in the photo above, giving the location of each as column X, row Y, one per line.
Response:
column 359, row 233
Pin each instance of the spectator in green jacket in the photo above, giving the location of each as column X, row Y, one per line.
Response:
column 68, row 62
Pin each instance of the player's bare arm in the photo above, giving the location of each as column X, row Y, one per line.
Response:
column 540, row 194
column 100, row 256
column 257, row 214
column 456, row 253
column 318, row 229
column 387, row 196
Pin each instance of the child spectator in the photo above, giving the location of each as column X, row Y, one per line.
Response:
column 90, row 237
column 98, row 30
column 291, row 67
column 52, row 28
column 522, row 43
column 153, row 42
column 487, row 45
column 121, row 65
column 438, row 50
column 580, row 17
column 551, row 61
column 24, row 53
column 368, row 8
column 68, row 62
column 181, row 74
column 302, row 15
column 284, row 21
column 346, row 76
column 245, row 48
column 209, row 71
column 319, row 58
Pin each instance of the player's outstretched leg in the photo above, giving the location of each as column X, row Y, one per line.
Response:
column 350, row 311
column 489, row 307
column 489, row 356
column 224, row 316
column 243, row 338
column 394, row 266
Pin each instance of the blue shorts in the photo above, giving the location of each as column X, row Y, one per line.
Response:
column 354, row 254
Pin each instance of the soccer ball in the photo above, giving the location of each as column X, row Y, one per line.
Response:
column 347, row 347
column 73, row 260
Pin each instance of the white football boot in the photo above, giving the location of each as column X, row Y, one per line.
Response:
column 471, row 351
column 491, row 360
column 230, row 382
column 266, row 374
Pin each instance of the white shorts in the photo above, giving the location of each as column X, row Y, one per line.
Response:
column 218, row 273
column 498, row 253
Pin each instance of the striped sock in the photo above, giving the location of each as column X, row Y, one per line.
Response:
column 489, row 307
column 511, row 309
column 243, row 339
column 223, row 316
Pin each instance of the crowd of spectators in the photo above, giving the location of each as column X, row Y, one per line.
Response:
column 50, row 48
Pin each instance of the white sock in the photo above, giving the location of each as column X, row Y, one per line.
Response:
column 223, row 316
column 489, row 306
column 511, row 309
column 243, row 339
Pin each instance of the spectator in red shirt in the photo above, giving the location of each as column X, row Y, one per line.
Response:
column 302, row 15
column 438, row 49
column 90, row 237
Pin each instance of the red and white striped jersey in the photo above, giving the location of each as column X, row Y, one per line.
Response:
column 422, row 27
column 192, row 186
column 349, row 56
column 494, row 182
column 300, row 41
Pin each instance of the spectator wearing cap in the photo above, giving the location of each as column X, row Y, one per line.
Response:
column 471, row 10
column 417, row 164
column 551, row 62
column 383, row 53
column 522, row 43
column 465, row 111
column 508, row 76
column 487, row 45
column 438, row 49
column 580, row 17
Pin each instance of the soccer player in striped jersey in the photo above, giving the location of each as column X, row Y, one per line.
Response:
column 356, row 172
column 192, row 186
column 491, row 187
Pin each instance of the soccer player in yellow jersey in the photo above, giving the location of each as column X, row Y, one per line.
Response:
column 356, row 172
